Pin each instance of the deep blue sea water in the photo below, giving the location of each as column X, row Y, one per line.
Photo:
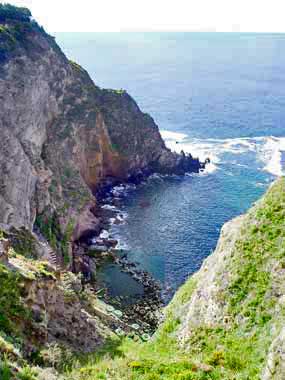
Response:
column 217, row 95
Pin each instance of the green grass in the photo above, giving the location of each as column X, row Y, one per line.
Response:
column 11, row 306
column 27, row 373
column 120, row 91
column 5, row 370
column 13, row 316
column 235, row 352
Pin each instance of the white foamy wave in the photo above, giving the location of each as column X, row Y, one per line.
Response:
column 210, row 168
column 104, row 234
column 123, row 189
column 122, row 216
column 109, row 207
column 267, row 149
column 117, row 191
column 156, row 176
column 168, row 135
column 271, row 155
column 121, row 245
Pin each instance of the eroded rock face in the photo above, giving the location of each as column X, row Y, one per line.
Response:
column 205, row 307
column 62, row 315
column 27, row 107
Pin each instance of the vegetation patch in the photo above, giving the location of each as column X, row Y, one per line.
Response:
column 9, row 12
column 50, row 228
column 12, row 309
column 116, row 91
column 76, row 66
column 23, row 242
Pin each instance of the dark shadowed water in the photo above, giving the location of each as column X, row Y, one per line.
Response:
column 217, row 95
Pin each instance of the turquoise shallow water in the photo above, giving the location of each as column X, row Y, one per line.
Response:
column 220, row 95
column 118, row 283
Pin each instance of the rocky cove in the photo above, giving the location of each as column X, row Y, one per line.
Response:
column 116, row 279
column 65, row 144
column 74, row 304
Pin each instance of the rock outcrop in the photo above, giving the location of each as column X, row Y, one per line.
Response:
column 42, row 306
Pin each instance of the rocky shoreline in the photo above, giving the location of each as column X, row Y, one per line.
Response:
column 144, row 313
column 100, row 247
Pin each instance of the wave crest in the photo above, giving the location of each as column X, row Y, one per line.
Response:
column 269, row 150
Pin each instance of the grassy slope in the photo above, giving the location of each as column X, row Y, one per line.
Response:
column 238, row 352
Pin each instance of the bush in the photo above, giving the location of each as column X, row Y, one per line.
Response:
column 11, row 307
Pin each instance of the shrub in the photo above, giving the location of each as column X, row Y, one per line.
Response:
column 11, row 306
column 5, row 371
column 27, row 373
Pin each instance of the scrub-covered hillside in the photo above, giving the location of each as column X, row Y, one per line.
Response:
column 227, row 321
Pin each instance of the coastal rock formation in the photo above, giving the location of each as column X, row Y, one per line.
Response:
column 206, row 307
column 63, row 137
column 63, row 140
column 237, row 298
column 4, row 248
column 275, row 366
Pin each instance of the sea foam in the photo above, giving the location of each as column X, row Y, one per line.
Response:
column 273, row 155
column 268, row 150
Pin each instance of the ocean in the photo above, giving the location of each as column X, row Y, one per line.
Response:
column 216, row 95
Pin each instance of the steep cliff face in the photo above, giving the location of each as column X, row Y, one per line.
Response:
column 62, row 136
column 233, row 309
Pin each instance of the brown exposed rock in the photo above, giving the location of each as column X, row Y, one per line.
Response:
column 63, row 315
column 86, row 223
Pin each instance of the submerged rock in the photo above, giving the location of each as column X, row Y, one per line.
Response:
column 97, row 249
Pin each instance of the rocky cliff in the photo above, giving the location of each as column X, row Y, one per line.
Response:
column 63, row 138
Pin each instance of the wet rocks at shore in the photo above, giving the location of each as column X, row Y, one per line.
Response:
column 142, row 309
column 102, row 252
